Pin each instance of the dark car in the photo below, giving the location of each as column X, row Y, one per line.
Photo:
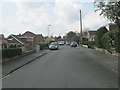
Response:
column 54, row 46
column 74, row 44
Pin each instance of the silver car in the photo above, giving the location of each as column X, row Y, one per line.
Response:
column 54, row 46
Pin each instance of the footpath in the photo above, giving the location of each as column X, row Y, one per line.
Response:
column 12, row 65
column 111, row 63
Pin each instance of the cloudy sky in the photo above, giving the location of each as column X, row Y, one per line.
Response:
column 18, row 16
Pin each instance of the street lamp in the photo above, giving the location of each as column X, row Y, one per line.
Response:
column 48, row 29
column 80, row 35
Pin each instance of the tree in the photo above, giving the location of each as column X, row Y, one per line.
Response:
column 111, row 10
column 98, row 39
column 109, row 41
column 71, row 35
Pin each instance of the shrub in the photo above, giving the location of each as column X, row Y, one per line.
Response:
column 43, row 45
column 100, row 32
column 106, row 43
column 11, row 52
column 110, row 41
column 92, row 43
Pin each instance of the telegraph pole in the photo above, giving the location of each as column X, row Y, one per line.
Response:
column 80, row 28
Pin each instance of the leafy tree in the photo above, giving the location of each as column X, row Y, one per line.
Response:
column 111, row 10
column 72, row 36
column 100, row 32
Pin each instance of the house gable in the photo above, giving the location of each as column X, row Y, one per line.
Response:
column 14, row 39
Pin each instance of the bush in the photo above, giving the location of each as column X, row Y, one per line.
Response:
column 89, row 43
column 43, row 45
column 100, row 32
column 11, row 52
column 110, row 41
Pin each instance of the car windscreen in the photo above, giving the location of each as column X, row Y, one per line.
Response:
column 53, row 44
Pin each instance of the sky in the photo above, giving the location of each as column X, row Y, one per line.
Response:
column 18, row 16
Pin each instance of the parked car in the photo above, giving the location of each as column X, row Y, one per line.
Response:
column 61, row 43
column 54, row 46
column 74, row 44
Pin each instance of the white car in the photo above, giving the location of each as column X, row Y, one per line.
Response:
column 61, row 43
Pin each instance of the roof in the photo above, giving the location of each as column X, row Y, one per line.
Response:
column 28, row 33
column 16, row 38
column 92, row 32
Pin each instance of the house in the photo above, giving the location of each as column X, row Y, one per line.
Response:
column 25, row 41
column 36, row 37
column 14, row 41
column 3, row 42
column 111, row 26
column 91, row 35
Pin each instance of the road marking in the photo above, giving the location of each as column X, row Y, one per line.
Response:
column 5, row 76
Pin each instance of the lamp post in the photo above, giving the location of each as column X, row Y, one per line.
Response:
column 80, row 28
column 48, row 30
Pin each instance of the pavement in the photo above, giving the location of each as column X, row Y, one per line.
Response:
column 66, row 68
column 110, row 63
column 12, row 65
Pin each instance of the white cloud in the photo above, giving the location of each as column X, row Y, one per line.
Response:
column 37, row 15
column 94, row 20
column 67, row 10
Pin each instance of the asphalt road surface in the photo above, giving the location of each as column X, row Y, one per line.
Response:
column 65, row 68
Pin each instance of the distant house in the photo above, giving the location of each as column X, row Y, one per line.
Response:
column 25, row 41
column 91, row 35
column 14, row 41
column 111, row 26
column 3, row 42
column 36, row 37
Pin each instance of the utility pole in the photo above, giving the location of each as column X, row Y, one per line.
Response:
column 80, row 28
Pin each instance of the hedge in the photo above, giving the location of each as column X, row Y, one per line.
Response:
column 11, row 52
column 43, row 45
column 92, row 43
column 100, row 32
column 110, row 41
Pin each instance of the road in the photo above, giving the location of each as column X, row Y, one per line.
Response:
column 64, row 68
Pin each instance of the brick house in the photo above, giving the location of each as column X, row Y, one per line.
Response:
column 26, row 40
column 36, row 37
column 14, row 41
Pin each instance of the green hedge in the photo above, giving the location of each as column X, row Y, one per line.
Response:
column 92, row 43
column 100, row 32
column 43, row 45
column 110, row 41
column 11, row 52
